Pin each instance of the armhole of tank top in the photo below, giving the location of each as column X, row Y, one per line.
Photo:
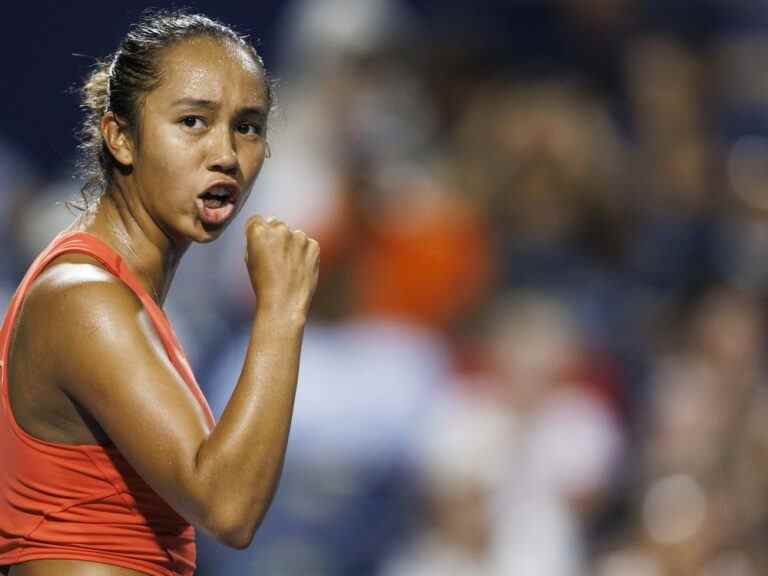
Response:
column 160, row 322
column 6, row 335
column 109, row 260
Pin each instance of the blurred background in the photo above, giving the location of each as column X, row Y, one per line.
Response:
column 537, row 344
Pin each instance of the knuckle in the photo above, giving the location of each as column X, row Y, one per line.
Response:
column 254, row 227
column 254, row 220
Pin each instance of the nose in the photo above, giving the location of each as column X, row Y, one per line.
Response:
column 223, row 153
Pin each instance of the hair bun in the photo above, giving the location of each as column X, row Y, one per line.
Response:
column 95, row 91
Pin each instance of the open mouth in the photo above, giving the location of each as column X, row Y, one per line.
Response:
column 216, row 204
column 217, row 196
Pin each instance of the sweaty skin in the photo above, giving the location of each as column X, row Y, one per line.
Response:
column 105, row 378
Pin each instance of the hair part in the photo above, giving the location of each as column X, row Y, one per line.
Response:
column 120, row 83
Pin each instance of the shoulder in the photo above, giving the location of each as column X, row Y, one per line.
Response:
column 82, row 305
column 77, row 287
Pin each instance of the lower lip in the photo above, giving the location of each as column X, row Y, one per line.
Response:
column 214, row 216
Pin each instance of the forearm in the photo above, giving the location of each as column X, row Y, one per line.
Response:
column 239, row 464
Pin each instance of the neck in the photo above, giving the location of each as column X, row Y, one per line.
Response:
column 147, row 250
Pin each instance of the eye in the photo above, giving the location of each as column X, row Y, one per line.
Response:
column 194, row 122
column 250, row 128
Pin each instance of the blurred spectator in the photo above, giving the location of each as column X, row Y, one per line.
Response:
column 702, row 506
column 426, row 257
column 461, row 462
column 512, row 477
column 570, row 442
column 680, row 182
column 546, row 157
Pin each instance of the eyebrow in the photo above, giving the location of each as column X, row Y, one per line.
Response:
column 195, row 103
column 252, row 111
column 211, row 105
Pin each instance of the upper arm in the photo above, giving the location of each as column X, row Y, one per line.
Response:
column 107, row 356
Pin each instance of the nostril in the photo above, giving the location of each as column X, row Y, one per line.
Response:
column 225, row 163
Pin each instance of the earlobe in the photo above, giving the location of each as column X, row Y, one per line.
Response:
column 116, row 138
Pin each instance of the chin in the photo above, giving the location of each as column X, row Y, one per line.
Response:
column 207, row 230
column 198, row 232
column 208, row 233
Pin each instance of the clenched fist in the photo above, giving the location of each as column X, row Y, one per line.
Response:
column 283, row 265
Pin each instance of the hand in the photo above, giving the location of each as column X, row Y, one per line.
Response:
column 283, row 265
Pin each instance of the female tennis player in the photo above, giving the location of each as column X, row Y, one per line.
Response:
column 110, row 454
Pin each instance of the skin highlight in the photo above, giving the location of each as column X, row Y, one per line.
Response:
column 106, row 378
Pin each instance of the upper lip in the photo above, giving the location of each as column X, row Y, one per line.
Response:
column 230, row 185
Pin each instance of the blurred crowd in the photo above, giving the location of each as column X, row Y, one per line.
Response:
column 537, row 343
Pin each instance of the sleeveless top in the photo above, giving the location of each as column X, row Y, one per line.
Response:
column 85, row 502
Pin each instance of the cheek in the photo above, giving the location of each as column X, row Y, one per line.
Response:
column 168, row 159
column 252, row 161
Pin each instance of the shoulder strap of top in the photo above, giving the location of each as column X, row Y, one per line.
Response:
column 84, row 243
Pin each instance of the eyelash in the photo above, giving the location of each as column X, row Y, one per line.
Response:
column 258, row 129
column 184, row 120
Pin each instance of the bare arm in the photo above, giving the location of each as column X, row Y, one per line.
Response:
column 110, row 360
column 241, row 460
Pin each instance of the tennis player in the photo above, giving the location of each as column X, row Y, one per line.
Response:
column 109, row 453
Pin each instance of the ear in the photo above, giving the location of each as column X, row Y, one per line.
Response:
column 117, row 139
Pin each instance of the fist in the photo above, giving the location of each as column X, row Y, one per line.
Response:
column 283, row 265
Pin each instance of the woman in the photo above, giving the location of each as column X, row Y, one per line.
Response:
column 109, row 450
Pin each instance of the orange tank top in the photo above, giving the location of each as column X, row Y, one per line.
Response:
column 85, row 502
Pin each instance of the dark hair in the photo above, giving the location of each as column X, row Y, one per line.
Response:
column 119, row 83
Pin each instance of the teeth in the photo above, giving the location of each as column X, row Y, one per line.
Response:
column 219, row 192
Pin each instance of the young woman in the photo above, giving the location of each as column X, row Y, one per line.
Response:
column 109, row 450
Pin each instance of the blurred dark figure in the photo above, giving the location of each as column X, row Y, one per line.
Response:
column 701, row 504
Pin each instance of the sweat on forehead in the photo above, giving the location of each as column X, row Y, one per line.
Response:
column 202, row 55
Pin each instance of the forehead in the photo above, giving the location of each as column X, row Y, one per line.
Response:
column 210, row 69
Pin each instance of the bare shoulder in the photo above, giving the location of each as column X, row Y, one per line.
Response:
column 105, row 354
column 74, row 282
column 74, row 316
column 80, row 306
column 75, row 293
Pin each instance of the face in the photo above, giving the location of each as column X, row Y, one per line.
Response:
column 201, row 141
